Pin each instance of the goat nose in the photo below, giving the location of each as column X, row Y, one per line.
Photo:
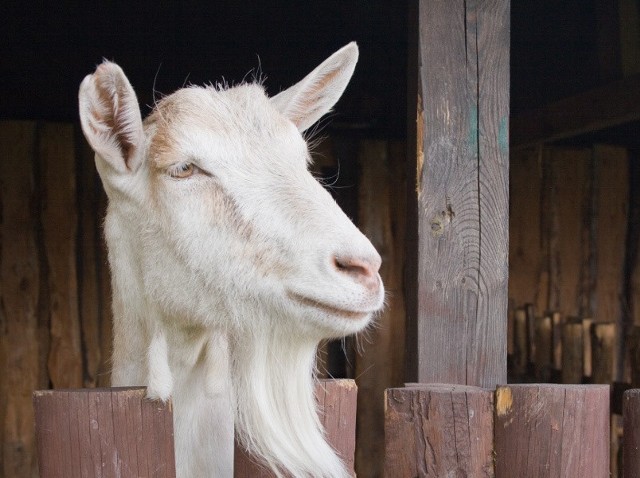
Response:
column 363, row 271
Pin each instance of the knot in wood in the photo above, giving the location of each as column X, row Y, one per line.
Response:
column 441, row 221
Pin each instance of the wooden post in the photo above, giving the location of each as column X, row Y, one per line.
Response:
column 520, row 355
column 103, row 433
column 552, row 431
column 572, row 351
column 543, row 348
column 458, row 203
column 438, row 430
column 337, row 401
column 631, row 442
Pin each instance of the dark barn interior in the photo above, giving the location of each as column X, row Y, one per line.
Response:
column 575, row 183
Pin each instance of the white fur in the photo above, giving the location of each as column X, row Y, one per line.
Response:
column 229, row 262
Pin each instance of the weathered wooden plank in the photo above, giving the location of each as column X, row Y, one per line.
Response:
column 572, row 351
column 631, row 443
column 380, row 361
column 603, row 348
column 20, row 367
column 614, row 104
column 544, row 348
column 89, row 223
column 438, row 430
column 460, row 207
column 59, row 227
column 528, row 267
column 568, row 243
column 337, row 401
column 521, row 348
column 103, row 433
column 547, row 430
column 612, row 195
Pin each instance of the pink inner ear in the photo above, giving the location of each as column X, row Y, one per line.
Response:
column 114, row 98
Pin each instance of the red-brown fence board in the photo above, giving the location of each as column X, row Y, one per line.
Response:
column 552, row 431
column 103, row 433
column 438, row 430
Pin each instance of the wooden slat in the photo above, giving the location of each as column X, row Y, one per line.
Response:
column 89, row 237
column 460, row 207
column 20, row 365
column 544, row 348
column 569, row 198
column 103, row 433
column 438, row 430
column 380, row 362
column 550, row 431
column 631, row 444
column 528, row 269
column 603, row 347
column 612, row 196
column 337, row 400
column 614, row 104
column 572, row 351
column 59, row 226
column 521, row 348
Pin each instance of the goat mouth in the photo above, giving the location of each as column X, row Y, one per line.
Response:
column 329, row 309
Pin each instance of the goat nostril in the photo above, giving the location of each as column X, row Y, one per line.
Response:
column 361, row 271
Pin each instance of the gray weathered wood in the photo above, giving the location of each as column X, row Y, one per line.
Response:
column 552, row 431
column 438, row 430
column 459, row 201
column 103, row 433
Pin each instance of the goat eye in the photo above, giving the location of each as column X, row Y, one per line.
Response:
column 181, row 171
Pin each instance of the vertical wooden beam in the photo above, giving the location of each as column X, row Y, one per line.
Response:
column 552, row 431
column 459, row 73
column 528, row 270
column 572, row 351
column 59, row 225
column 380, row 363
column 102, row 433
column 20, row 366
column 438, row 430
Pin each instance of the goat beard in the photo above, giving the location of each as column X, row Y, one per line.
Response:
column 276, row 415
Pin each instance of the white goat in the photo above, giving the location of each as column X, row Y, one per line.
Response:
column 229, row 262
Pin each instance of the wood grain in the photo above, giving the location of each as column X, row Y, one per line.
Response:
column 572, row 351
column 20, row 366
column 546, row 431
column 462, row 194
column 438, row 430
column 59, row 225
column 103, row 433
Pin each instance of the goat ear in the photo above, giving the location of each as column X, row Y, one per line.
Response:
column 313, row 97
column 110, row 117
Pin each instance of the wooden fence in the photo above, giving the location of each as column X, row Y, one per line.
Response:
column 541, row 430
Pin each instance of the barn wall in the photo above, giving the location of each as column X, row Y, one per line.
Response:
column 54, row 287
column 568, row 233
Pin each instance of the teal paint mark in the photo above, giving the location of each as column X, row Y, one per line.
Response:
column 503, row 134
column 473, row 128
